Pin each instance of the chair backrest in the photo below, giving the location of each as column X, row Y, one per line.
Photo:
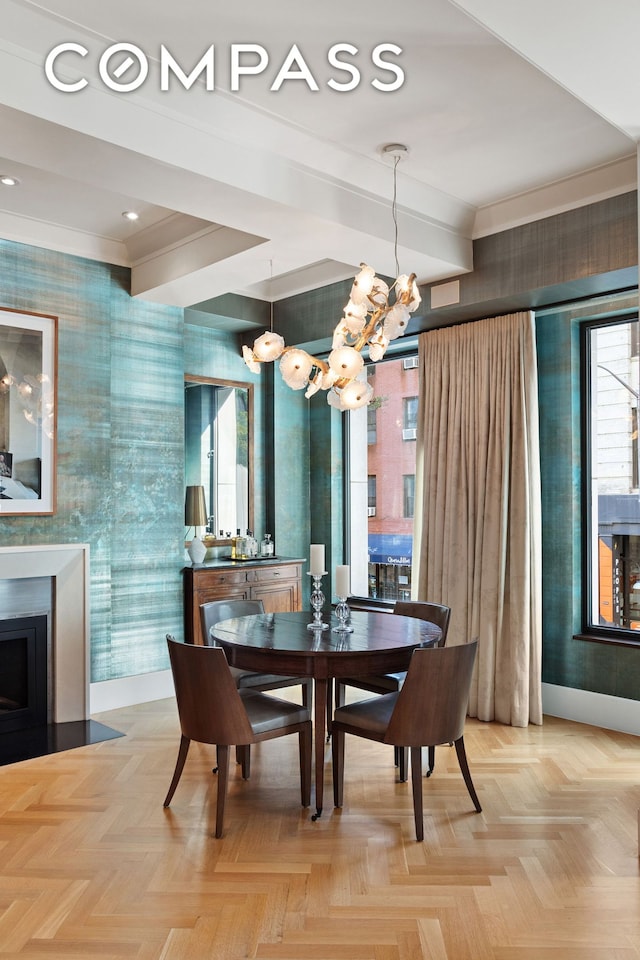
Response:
column 431, row 707
column 209, row 705
column 437, row 613
column 217, row 610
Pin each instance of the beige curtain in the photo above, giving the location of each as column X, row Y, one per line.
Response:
column 477, row 517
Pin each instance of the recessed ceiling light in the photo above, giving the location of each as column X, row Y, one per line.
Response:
column 131, row 215
column 8, row 181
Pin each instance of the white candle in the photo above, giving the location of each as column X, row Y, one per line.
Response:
column 343, row 581
column 316, row 564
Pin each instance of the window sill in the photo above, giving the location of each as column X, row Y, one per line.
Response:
column 609, row 638
column 364, row 603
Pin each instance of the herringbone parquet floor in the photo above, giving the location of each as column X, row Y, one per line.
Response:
column 93, row 868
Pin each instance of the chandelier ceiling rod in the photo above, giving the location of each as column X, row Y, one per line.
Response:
column 397, row 151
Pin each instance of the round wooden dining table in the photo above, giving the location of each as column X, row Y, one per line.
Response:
column 281, row 643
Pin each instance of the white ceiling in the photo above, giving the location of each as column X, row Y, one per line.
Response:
column 510, row 112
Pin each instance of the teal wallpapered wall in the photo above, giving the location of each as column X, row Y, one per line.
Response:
column 583, row 665
column 120, row 467
column 120, row 449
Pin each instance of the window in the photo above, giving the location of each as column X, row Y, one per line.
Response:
column 371, row 496
column 372, row 424
column 409, row 417
column 612, row 548
column 410, row 413
column 381, row 485
column 408, row 494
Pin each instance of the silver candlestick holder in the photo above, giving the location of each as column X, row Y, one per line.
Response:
column 343, row 614
column 317, row 602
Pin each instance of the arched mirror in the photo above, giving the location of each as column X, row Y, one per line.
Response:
column 218, row 431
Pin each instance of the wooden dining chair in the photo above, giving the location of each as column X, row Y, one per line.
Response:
column 430, row 708
column 213, row 710
column 217, row 610
column 437, row 613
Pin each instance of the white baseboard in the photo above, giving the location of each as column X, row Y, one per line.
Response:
column 112, row 694
column 597, row 709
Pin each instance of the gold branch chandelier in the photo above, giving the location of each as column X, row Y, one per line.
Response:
column 374, row 315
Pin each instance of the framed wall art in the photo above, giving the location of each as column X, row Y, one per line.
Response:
column 28, row 371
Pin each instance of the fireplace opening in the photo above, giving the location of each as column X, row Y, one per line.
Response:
column 32, row 693
column 26, row 729
column 23, row 673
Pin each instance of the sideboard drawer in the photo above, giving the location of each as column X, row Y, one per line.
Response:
column 208, row 579
column 270, row 574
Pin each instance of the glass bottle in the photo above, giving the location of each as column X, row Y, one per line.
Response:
column 251, row 549
column 234, row 544
column 266, row 547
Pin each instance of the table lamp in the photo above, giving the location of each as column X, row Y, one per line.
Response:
column 195, row 515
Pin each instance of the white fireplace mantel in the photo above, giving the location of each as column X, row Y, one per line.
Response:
column 68, row 566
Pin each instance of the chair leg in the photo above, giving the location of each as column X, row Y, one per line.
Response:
column 305, row 748
column 416, row 783
column 431, row 761
column 223, row 779
column 337, row 755
column 243, row 757
column 177, row 773
column 403, row 763
column 464, row 767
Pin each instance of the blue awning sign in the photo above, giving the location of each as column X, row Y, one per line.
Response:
column 390, row 548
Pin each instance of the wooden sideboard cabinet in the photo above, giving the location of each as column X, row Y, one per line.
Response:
column 276, row 582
